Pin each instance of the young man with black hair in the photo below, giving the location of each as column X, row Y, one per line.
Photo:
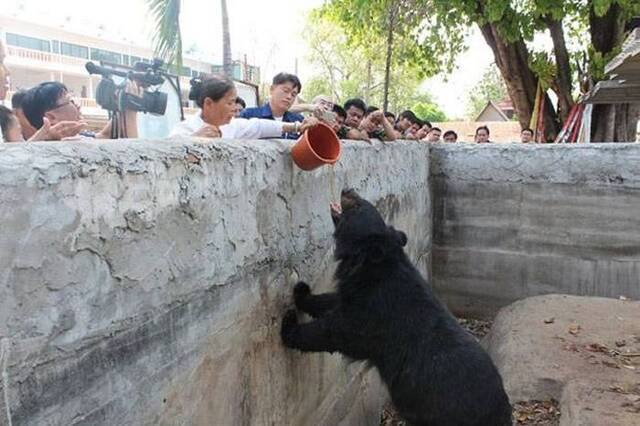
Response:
column 526, row 136
column 16, row 105
column 355, row 110
column 391, row 117
column 283, row 93
column 434, row 135
column 405, row 121
column 450, row 136
column 51, row 110
column 240, row 105
column 339, row 116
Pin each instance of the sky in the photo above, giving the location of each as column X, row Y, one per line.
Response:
column 268, row 32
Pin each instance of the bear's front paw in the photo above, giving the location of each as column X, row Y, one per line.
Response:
column 300, row 292
column 289, row 323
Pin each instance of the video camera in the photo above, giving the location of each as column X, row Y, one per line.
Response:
column 114, row 98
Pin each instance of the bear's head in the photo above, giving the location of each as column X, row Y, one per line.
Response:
column 361, row 233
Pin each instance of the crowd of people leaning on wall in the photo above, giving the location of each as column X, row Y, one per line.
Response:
column 48, row 112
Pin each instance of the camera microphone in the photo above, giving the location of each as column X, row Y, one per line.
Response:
column 147, row 78
column 103, row 71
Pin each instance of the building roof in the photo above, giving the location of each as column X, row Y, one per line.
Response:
column 505, row 105
column 624, row 72
column 489, row 108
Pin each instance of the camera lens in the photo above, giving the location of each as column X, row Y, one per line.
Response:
column 155, row 102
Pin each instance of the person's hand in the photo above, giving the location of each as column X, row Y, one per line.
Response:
column 208, row 131
column 319, row 110
column 376, row 117
column 308, row 123
column 59, row 131
column 356, row 134
column 368, row 124
column 133, row 88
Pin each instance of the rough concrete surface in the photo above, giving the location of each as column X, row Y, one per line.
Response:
column 581, row 351
column 143, row 282
column 513, row 221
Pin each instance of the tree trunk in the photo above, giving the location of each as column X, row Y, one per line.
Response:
column 563, row 68
column 512, row 60
column 227, row 60
column 611, row 123
column 367, row 92
column 387, row 65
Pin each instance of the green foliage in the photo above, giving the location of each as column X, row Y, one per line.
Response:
column 167, row 38
column 490, row 88
column 428, row 43
column 429, row 111
column 345, row 70
column 544, row 67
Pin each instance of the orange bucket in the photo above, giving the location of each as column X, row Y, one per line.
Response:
column 316, row 147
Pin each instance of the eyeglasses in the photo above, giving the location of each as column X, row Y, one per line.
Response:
column 64, row 104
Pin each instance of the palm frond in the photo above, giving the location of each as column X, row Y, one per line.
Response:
column 167, row 39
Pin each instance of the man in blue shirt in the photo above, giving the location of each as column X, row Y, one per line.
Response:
column 284, row 90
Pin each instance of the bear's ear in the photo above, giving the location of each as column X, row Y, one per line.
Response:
column 400, row 236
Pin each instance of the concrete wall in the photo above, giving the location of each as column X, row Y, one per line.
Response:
column 144, row 282
column 512, row 221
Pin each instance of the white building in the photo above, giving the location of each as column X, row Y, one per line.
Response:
column 37, row 53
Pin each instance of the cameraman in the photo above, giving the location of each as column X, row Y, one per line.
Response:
column 50, row 109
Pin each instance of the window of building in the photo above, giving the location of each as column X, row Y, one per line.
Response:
column 126, row 60
column 106, row 55
column 237, row 72
column 69, row 49
column 28, row 42
column 55, row 46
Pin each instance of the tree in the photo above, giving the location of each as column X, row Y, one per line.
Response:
column 227, row 60
column 393, row 21
column 345, row 70
column 168, row 37
column 509, row 27
column 490, row 88
column 429, row 111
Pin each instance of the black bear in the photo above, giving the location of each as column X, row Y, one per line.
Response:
column 385, row 313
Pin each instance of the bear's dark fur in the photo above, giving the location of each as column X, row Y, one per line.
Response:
column 385, row 313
